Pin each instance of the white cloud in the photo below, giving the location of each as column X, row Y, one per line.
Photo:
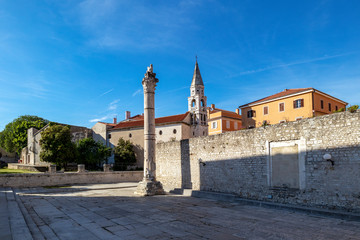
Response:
column 292, row 64
column 137, row 92
column 109, row 91
column 99, row 119
column 138, row 25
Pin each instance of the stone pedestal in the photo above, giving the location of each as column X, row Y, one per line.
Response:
column 52, row 169
column 149, row 186
column 106, row 167
column 81, row 168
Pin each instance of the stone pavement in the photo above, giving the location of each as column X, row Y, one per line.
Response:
column 111, row 211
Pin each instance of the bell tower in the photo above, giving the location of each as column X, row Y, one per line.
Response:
column 197, row 105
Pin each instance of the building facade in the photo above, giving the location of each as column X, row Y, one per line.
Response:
column 289, row 105
column 221, row 121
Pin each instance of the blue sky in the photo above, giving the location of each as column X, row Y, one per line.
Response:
column 77, row 62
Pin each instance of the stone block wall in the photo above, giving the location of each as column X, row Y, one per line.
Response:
column 58, row 179
column 241, row 162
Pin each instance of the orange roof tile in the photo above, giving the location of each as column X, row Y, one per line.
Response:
column 226, row 113
column 278, row 95
column 140, row 123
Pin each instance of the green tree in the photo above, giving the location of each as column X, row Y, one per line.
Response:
column 56, row 146
column 92, row 154
column 14, row 137
column 124, row 155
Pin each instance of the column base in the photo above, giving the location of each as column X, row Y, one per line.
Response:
column 149, row 187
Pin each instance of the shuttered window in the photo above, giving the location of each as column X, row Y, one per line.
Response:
column 299, row 103
column 266, row 110
column 281, row 107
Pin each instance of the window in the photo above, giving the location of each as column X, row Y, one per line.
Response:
column 281, row 107
column 298, row 103
column 266, row 110
column 235, row 125
column 282, row 121
column 214, row 125
column 130, row 135
column 336, row 108
column 193, row 103
column 174, row 131
column 160, row 132
column 322, row 104
column 298, row 118
column 329, row 107
column 227, row 124
column 251, row 113
column 202, row 103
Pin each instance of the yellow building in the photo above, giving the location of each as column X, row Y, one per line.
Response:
column 220, row 120
column 289, row 105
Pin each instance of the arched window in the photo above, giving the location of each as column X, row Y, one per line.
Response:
column 202, row 103
column 160, row 132
column 193, row 103
column 174, row 131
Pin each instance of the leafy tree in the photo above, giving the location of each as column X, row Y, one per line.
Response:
column 56, row 146
column 353, row 108
column 14, row 137
column 124, row 154
column 92, row 153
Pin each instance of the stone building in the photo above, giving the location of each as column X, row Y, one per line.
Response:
column 192, row 123
column 30, row 155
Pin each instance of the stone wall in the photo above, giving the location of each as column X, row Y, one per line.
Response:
column 58, row 179
column 244, row 162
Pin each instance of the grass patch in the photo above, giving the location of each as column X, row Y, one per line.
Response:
column 10, row 171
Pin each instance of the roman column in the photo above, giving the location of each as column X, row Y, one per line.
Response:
column 149, row 186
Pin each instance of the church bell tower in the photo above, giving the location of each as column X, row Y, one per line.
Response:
column 197, row 105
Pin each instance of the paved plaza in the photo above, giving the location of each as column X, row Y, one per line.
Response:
column 111, row 211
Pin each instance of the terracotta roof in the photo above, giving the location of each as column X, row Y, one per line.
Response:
column 278, row 95
column 134, row 118
column 225, row 113
column 140, row 123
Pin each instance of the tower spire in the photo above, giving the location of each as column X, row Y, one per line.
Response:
column 197, row 79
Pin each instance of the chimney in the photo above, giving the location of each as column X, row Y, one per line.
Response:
column 127, row 115
column 237, row 111
column 212, row 106
column 115, row 120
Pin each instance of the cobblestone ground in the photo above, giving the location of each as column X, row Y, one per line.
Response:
column 111, row 211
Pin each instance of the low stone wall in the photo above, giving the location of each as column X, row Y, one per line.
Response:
column 251, row 163
column 56, row 179
column 35, row 168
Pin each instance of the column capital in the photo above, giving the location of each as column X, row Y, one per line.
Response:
column 150, row 80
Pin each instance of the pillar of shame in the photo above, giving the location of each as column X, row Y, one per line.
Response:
column 149, row 186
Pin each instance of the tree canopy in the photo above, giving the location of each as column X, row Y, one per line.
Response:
column 56, row 145
column 14, row 137
column 124, row 154
column 91, row 153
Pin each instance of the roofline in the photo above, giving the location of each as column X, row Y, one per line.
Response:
column 327, row 95
column 142, row 126
column 291, row 95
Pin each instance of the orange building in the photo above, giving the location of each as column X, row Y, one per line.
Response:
column 289, row 105
column 220, row 120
